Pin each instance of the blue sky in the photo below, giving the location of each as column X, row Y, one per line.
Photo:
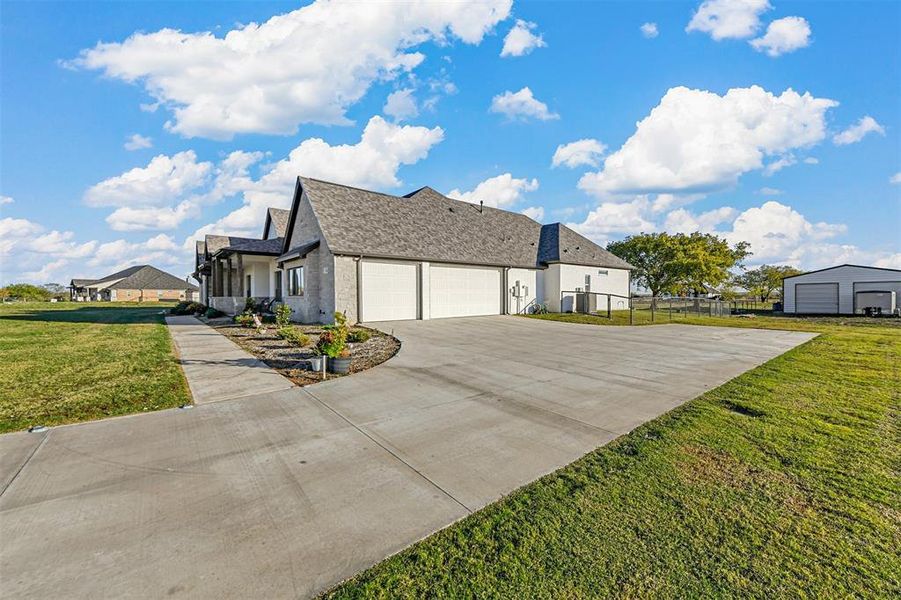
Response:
column 798, row 158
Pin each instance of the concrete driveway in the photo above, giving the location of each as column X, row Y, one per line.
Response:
column 286, row 492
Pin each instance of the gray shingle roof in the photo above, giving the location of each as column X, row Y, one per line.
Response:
column 559, row 243
column 215, row 243
column 142, row 277
column 272, row 246
column 279, row 219
column 427, row 225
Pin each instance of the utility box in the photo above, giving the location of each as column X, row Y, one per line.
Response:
column 885, row 302
column 586, row 303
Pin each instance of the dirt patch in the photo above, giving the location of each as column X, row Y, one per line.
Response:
column 292, row 361
column 703, row 465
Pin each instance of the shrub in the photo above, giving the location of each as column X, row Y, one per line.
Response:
column 250, row 305
column 212, row 313
column 333, row 339
column 293, row 335
column 283, row 315
column 358, row 336
column 188, row 308
column 244, row 319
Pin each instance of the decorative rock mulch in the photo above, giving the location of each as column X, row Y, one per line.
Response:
column 293, row 361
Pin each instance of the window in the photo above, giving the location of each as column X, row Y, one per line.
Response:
column 278, row 284
column 249, row 286
column 295, row 281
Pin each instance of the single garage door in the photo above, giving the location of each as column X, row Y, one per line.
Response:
column 458, row 291
column 816, row 298
column 389, row 291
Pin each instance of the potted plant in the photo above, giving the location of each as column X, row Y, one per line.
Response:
column 340, row 363
column 333, row 343
column 316, row 360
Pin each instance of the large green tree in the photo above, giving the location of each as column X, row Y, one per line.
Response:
column 676, row 263
column 26, row 292
column 765, row 279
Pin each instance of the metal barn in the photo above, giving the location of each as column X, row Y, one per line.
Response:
column 843, row 290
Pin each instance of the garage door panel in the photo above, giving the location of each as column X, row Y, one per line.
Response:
column 816, row 298
column 389, row 291
column 460, row 291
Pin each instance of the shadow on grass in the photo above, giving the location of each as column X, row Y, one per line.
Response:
column 89, row 314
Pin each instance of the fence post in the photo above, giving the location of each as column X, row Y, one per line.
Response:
column 631, row 312
column 653, row 304
column 609, row 315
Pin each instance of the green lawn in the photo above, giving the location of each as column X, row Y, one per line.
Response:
column 67, row 362
column 783, row 482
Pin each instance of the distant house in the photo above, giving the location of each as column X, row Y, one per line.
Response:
column 230, row 269
column 141, row 283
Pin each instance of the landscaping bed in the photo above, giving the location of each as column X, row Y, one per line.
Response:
column 292, row 360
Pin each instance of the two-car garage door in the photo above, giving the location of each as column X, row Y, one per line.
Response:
column 391, row 291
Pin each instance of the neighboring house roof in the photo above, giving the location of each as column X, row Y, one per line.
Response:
column 426, row 225
column 139, row 277
column 80, row 282
column 279, row 219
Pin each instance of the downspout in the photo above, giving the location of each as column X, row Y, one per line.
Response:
column 359, row 265
column 506, row 290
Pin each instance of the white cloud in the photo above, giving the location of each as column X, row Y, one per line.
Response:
column 783, row 36
column 498, row 192
column 581, row 152
column 649, row 30
column 164, row 178
column 858, row 131
column 401, row 105
column 138, row 142
column 768, row 191
column 34, row 254
column 534, row 212
column 696, row 140
column 372, row 163
column 779, row 233
column 521, row 105
column 5, row 200
column 780, row 163
column 520, row 40
column 810, row 160
column 616, row 219
column 306, row 66
column 896, row 178
column 728, row 19
column 682, row 221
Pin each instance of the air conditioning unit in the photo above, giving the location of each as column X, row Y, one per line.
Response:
column 586, row 303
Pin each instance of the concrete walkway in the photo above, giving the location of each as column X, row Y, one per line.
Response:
column 268, row 490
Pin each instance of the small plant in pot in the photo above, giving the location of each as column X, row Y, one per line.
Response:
column 333, row 343
column 316, row 360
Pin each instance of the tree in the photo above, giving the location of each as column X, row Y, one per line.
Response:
column 666, row 263
column 57, row 290
column 27, row 292
column 765, row 279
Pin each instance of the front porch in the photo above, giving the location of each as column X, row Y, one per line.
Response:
column 235, row 276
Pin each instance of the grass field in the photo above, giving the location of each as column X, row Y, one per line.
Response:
column 67, row 362
column 783, row 482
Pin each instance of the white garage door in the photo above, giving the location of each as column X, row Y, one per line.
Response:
column 464, row 291
column 389, row 291
column 816, row 298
